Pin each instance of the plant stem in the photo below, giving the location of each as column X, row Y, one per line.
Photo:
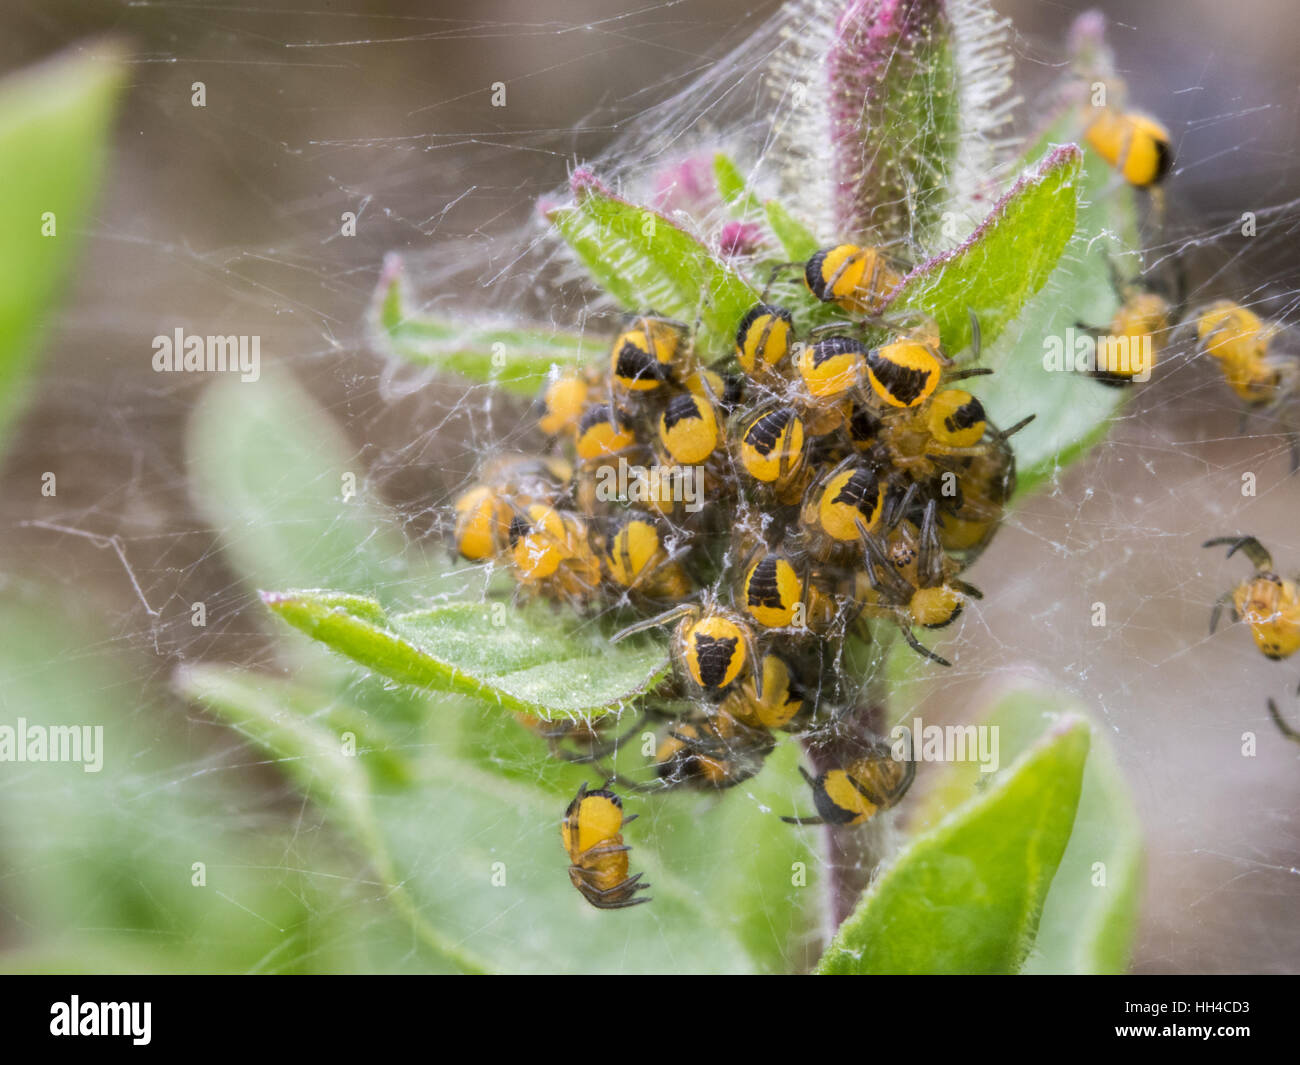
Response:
column 852, row 854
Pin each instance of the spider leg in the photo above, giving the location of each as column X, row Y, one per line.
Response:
column 1217, row 612
column 1251, row 547
column 1004, row 433
column 667, row 617
column 894, row 515
column 874, row 555
column 1286, row 730
column 920, row 648
column 849, row 260
column 778, row 269
column 930, row 563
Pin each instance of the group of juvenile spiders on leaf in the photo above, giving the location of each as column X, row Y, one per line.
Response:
column 842, row 479
column 845, row 480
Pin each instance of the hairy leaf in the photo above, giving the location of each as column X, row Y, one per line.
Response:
column 733, row 188
column 105, row 860
column 647, row 263
column 1091, row 911
column 1004, row 262
column 533, row 661
column 966, row 896
column 517, row 358
column 270, row 471
column 1074, row 412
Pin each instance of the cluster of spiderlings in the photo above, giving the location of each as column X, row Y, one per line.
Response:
column 776, row 500
column 772, row 501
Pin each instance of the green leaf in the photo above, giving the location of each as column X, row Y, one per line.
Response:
column 269, row 471
column 534, row 661
column 1087, row 925
column 314, row 757
column 647, row 263
column 517, row 359
column 1004, row 262
column 304, row 713
column 438, row 846
column 966, row 896
column 733, row 847
column 54, row 125
column 797, row 240
column 1074, row 412
column 1037, row 261
column 733, row 188
column 105, row 860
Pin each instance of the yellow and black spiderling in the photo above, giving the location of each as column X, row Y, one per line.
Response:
column 782, row 702
column 688, row 429
column 773, row 450
column 716, row 752
column 904, row 373
column 1267, row 603
column 602, row 432
column 1239, row 341
column 1136, row 145
column 715, row 649
column 482, row 523
column 856, row 278
column 563, row 402
column 851, row 498
column 646, row 354
column 635, row 559
column 833, row 367
column 956, row 419
column 551, row 553
column 1127, row 352
column 773, row 591
column 711, row 645
column 855, row 793
column 763, row 339
column 598, row 858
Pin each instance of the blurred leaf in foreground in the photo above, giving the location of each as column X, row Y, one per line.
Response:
column 54, row 125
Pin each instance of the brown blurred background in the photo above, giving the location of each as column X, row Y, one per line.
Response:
column 226, row 219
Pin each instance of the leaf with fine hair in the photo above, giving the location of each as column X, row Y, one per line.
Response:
column 966, row 895
column 514, row 357
column 532, row 662
column 646, row 263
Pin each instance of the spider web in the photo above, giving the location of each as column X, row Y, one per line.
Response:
column 226, row 219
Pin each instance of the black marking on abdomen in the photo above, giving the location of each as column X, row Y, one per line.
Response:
column 713, row 655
